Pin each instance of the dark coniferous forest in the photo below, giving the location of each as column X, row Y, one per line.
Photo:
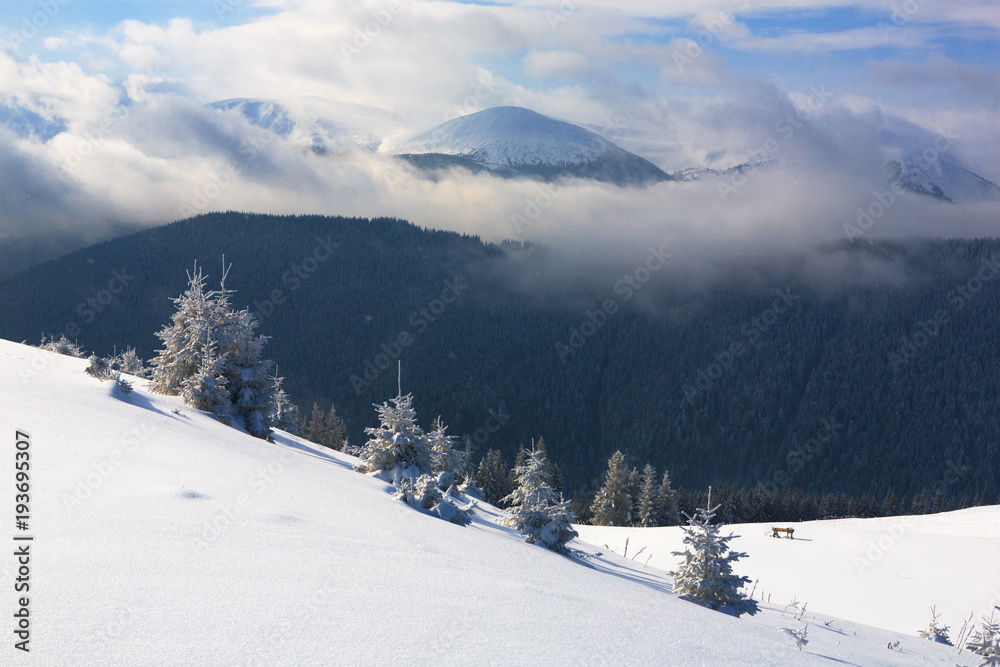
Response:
column 877, row 372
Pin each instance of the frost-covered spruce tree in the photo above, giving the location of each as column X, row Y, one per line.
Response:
column 397, row 447
column 199, row 321
column 204, row 325
column 248, row 374
column 206, row 389
column 535, row 508
column 446, row 458
column 705, row 576
column 647, row 509
column 935, row 632
column 284, row 413
column 612, row 505
column 986, row 641
column 399, row 452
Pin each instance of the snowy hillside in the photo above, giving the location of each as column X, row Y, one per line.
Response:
column 503, row 139
column 162, row 537
column 940, row 178
column 884, row 572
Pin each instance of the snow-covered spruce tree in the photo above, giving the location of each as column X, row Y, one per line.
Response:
column 935, row 632
column 705, row 576
column 247, row 374
column 612, row 505
column 446, row 458
column 986, row 641
column 647, row 509
column 99, row 368
column 425, row 494
column 130, row 362
column 200, row 320
column 284, row 413
column 536, row 509
column 204, row 325
column 397, row 447
column 206, row 389
column 399, row 452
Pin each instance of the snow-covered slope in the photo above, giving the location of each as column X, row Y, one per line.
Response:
column 516, row 140
column 162, row 537
column 940, row 178
column 885, row 572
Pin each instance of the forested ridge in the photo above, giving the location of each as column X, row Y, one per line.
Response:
column 785, row 380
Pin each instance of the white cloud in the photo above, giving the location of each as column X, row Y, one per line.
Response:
column 674, row 101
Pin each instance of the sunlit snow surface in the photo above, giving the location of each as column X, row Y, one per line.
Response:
column 163, row 537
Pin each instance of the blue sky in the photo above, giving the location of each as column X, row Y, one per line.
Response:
column 102, row 15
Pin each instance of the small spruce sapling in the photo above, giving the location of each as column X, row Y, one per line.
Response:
column 935, row 632
column 706, row 576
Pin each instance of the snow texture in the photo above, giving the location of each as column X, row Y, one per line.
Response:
column 163, row 537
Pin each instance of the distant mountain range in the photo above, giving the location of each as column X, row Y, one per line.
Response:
column 515, row 142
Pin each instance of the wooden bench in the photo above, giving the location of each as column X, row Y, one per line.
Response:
column 786, row 531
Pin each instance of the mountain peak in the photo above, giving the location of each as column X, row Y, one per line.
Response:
column 517, row 141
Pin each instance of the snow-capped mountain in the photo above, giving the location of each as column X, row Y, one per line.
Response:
column 925, row 163
column 324, row 126
column 697, row 173
column 941, row 177
column 518, row 141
